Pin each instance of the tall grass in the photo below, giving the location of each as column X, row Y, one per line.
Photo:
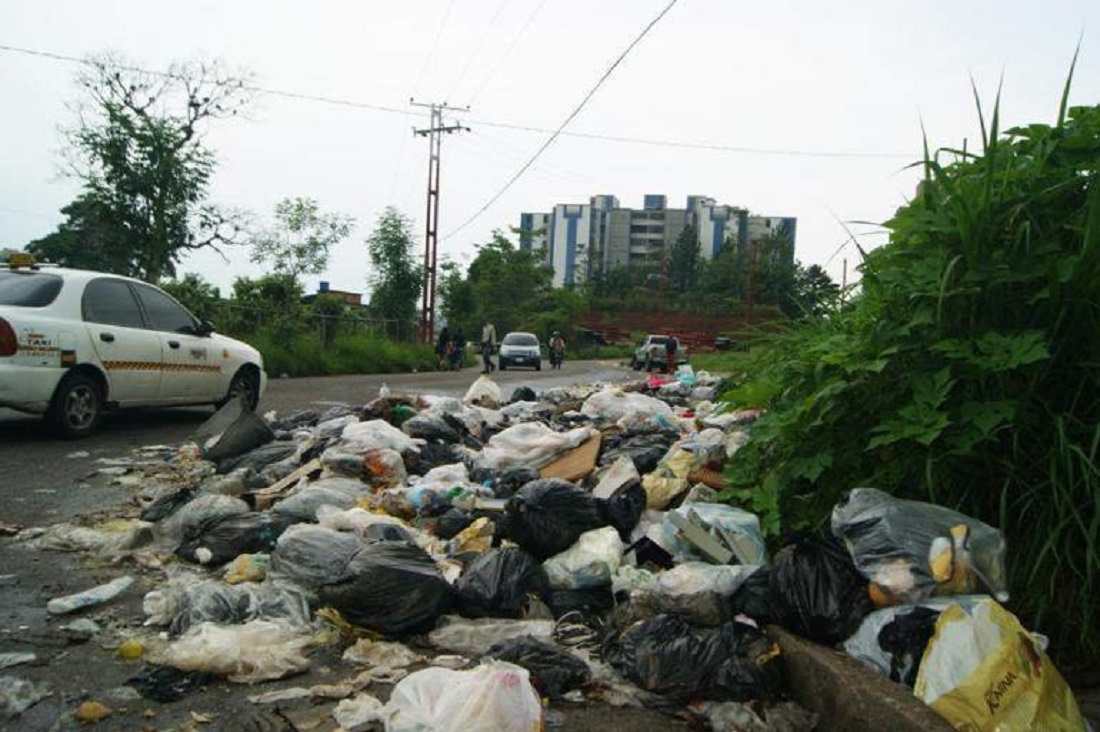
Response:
column 967, row 372
column 302, row 354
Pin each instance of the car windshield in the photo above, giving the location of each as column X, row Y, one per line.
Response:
column 28, row 289
column 658, row 340
column 520, row 339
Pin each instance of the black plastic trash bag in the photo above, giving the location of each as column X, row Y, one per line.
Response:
column 312, row 556
column 553, row 670
column 220, row 540
column 232, row 430
column 431, row 455
column 523, row 394
column 392, row 587
column 587, row 601
column 905, row 638
column 624, row 509
column 816, row 590
column 166, row 684
column 452, row 522
column 298, row 420
column 213, row 601
column 645, row 451
column 547, row 516
column 497, row 583
column 512, row 479
column 259, row 458
column 166, row 505
column 753, row 597
column 667, row 655
column 430, row 426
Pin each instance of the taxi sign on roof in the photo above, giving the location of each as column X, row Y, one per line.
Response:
column 21, row 259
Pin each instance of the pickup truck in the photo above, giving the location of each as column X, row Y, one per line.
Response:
column 651, row 353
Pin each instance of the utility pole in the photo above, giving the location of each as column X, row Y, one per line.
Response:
column 434, row 133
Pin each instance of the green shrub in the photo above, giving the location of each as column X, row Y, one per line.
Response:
column 966, row 373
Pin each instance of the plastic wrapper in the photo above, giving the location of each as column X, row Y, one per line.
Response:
column 727, row 524
column 553, row 669
column 547, row 517
column 632, row 411
column 247, row 568
column 390, row 587
column 590, row 562
column 476, row 538
column 670, row 479
column 911, row 550
column 380, row 467
column 303, row 502
column 221, row 539
column 259, row 650
column 667, row 655
column 530, row 443
column 183, row 603
column 361, row 713
column 983, row 671
column 700, row 592
column 455, row 634
column 312, row 556
column 815, row 591
column 113, row 538
column 493, row 697
column 485, row 392
column 520, row 411
column 375, row 434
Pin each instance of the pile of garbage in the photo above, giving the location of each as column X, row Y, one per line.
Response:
column 568, row 545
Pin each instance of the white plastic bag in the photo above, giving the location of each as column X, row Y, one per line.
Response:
column 375, row 434
column 494, row 697
column 613, row 405
column 484, row 391
column 590, row 562
column 532, row 444
column 361, row 713
column 256, row 651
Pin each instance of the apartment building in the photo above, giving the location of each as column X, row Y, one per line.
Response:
column 581, row 240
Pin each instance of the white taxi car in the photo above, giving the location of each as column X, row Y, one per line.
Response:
column 74, row 343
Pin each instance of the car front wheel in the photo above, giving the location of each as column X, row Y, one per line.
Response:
column 77, row 406
column 246, row 386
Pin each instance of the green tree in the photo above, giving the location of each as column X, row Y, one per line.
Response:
column 684, row 259
column 813, row 294
column 395, row 277
column 194, row 293
column 272, row 301
column 299, row 242
column 84, row 240
column 138, row 150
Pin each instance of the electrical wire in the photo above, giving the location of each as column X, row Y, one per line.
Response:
column 507, row 52
column 549, row 141
column 477, row 49
column 682, row 144
column 431, row 51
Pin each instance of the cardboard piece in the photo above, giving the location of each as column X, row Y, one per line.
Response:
column 264, row 497
column 576, row 463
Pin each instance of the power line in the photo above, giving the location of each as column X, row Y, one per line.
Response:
column 507, row 52
column 682, row 144
column 477, row 49
column 431, row 51
column 567, row 120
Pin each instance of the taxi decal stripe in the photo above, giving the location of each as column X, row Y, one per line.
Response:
column 158, row 366
column 38, row 349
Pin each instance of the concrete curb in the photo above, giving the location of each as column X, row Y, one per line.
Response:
column 846, row 695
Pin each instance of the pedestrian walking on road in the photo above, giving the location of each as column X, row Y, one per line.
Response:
column 458, row 350
column 488, row 342
column 443, row 347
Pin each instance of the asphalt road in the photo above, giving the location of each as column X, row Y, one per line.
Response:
column 45, row 480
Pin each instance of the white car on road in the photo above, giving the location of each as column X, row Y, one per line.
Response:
column 74, row 343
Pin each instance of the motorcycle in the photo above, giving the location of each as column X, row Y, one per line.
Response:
column 557, row 355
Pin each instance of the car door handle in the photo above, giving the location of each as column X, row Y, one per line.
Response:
column 173, row 344
column 107, row 337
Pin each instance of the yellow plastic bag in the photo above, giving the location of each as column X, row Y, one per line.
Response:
column 983, row 672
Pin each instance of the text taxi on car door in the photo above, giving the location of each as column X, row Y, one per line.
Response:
column 74, row 343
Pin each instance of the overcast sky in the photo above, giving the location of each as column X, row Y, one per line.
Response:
column 823, row 103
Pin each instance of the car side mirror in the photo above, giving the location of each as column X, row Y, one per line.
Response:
column 205, row 328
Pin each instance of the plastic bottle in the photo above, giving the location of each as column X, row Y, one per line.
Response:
column 88, row 598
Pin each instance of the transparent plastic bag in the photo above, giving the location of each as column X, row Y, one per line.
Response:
column 259, row 650
column 303, row 502
column 456, row 634
column 590, row 562
column 493, row 697
column 312, row 556
column 184, row 603
column 380, row 467
column 613, row 405
column 910, row 550
column 741, row 526
column 484, row 391
column 376, row 434
column 529, row 443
